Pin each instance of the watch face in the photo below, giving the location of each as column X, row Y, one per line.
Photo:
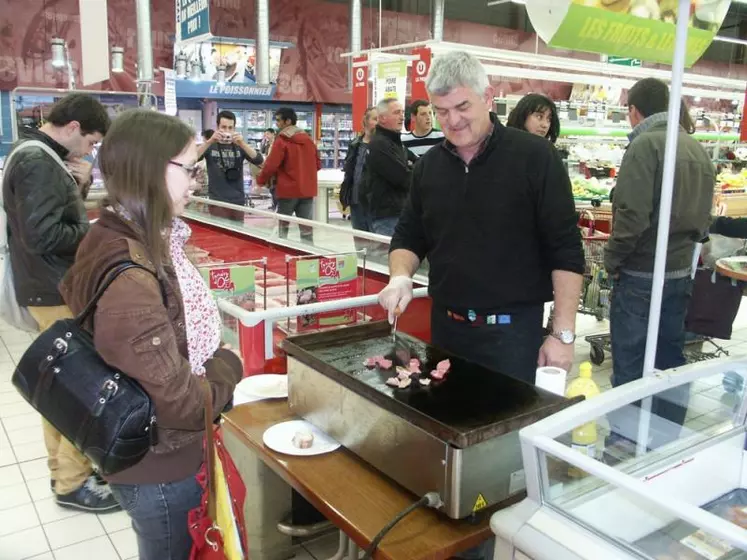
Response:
column 567, row 337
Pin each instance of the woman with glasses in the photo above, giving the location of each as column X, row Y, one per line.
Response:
column 158, row 325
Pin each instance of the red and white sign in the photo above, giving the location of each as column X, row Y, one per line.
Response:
column 360, row 92
column 419, row 73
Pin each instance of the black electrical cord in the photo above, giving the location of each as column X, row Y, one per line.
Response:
column 431, row 499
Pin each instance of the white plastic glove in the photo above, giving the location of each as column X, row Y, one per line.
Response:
column 397, row 295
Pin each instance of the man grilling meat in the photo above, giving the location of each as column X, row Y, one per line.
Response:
column 492, row 210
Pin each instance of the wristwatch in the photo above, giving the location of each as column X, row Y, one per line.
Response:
column 566, row 336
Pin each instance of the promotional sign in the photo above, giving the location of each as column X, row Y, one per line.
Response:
column 169, row 92
column 360, row 93
column 192, row 20
column 235, row 283
column 391, row 81
column 644, row 30
column 326, row 279
column 420, row 70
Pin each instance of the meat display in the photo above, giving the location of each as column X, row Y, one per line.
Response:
column 412, row 375
column 303, row 439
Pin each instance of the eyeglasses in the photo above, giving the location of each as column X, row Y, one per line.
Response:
column 191, row 170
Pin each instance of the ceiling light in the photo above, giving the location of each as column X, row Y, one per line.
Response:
column 194, row 72
column 181, row 66
column 117, row 59
column 58, row 52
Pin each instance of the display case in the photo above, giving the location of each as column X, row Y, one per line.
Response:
column 666, row 479
column 337, row 133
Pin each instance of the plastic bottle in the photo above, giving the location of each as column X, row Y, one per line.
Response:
column 584, row 437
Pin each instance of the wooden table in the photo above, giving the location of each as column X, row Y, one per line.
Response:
column 358, row 499
column 733, row 267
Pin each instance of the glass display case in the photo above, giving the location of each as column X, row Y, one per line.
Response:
column 665, row 476
column 337, row 133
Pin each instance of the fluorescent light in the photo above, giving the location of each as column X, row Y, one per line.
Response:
column 117, row 59
column 58, row 52
column 734, row 40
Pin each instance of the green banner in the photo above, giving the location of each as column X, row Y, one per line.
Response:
column 623, row 34
column 235, row 283
column 326, row 279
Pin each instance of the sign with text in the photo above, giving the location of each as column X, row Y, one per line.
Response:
column 169, row 92
column 420, row 70
column 192, row 20
column 624, row 61
column 391, row 81
column 647, row 33
column 214, row 90
column 235, row 283
column 326, row 279
column 360, row 92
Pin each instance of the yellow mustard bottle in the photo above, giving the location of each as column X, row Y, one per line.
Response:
column 584, row 437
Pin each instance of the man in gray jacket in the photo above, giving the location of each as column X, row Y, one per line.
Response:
column 629, row 257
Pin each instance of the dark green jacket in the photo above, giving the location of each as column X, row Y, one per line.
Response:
column 635, row 209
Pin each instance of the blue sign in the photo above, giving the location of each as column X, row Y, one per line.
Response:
column 192, row 20
column 213, row 90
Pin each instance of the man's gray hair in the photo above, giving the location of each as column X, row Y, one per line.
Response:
column 456, row 69
column 383, row 105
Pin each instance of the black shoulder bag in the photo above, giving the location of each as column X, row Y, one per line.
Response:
column 105, row 414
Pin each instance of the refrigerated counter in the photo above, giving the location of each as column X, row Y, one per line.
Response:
column 653, row 489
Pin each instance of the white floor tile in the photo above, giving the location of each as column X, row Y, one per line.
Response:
column 114, row 522
column 7, row 457
column 23, row 544
column 11, row 398
column 22, row 421
column 32, row 434
column 45, row 556
column 74, row 530
column 30, row 451
column 14, row 496
column 35, row 469
column 100, row 548
column 10, row 476
column 16, row 409
column 323, row 547
column 125, row 542
column 18, row 519
column 39, row 489
column 4, row 441
column 49, row 511
column 303, row 554
column 7, row 387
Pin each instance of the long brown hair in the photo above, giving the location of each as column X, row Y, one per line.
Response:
column 133, row 160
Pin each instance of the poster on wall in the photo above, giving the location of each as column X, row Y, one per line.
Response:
column 391, row 81
column 192, row 20
column 235, row 283
column 420, row 70
column 326, row 279
column 637, row 29
column 238, row 59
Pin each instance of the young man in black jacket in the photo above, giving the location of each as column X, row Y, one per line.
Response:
column 46, row 223
column 387, row 174
column 492, row 210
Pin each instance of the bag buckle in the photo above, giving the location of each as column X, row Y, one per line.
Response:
column 60, row 345
column 112, row 387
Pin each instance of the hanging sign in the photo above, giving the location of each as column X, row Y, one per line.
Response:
column 391, row 81
column 192, row 20
column 644, row 30
column 420, row 69
column 169, row 92
column 360, row 92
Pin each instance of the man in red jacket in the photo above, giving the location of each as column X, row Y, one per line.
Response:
column 293, row 162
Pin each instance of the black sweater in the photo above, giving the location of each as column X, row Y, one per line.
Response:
column 492, row 231
column 387, row 175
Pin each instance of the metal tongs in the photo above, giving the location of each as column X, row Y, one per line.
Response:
column 402, row 350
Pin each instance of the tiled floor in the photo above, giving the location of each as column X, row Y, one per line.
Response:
column 33, row 526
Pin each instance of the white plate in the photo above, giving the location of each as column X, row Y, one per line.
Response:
column 280, row 438
column 264, row 386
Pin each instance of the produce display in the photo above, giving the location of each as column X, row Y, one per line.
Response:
column 589, row 189
column 732, row 181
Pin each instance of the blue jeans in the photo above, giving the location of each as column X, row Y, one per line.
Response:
column 159, row 516
column 360, row 218
column 629, row 312
column 384, row 226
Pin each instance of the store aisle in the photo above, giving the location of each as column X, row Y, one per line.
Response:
column 33, row 526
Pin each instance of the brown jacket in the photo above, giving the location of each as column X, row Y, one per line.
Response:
column 136, row 333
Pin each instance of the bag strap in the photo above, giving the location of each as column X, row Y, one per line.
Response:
column 42, row 146
column 113, row 271
column 210, row 451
